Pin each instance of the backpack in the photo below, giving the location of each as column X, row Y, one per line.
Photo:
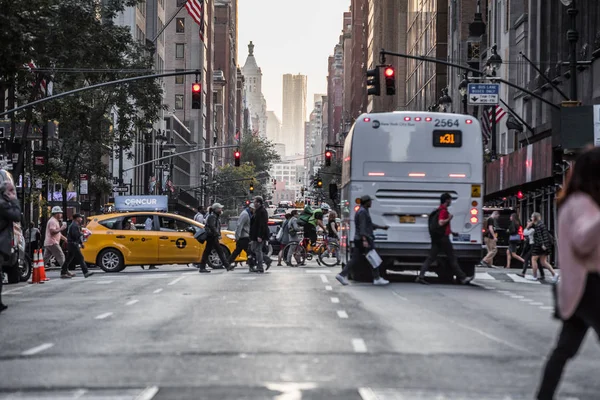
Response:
column 434, row 226
column 281, row 230
column 305, row 216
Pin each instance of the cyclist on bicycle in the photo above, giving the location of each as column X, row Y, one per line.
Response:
column 310, row 229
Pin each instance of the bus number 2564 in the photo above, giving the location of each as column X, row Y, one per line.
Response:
column 446, row 122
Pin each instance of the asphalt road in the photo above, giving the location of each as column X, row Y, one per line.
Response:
column 292, row 333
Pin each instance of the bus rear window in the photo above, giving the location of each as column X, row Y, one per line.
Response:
column 447, row 138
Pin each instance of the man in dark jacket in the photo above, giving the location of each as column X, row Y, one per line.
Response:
column 10, row 212
column 213, row 233
column 259, row 232
column 75, row 244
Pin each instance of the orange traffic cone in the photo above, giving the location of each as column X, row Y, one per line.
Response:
column 43, row 277
column 35, row 275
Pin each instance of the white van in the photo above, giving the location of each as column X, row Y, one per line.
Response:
column 405, row 161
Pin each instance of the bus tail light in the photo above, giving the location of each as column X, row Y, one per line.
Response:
column 407, row 119
column 367, row 119
column 428, row 119
column 376, row 173
column 457, row 175
column 417, row 174
column 474, row 215
column 469, row 121
column 418, row 119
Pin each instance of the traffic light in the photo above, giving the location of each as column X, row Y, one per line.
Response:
column 319, row 183
column 302, row 190
column 328, row 158
column 196, row 95
column 390, row 80
column 236, row 157
column 373, row 82
column 251, row 188
column 519, row 195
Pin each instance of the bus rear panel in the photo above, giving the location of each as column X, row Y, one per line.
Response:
column 405, row 161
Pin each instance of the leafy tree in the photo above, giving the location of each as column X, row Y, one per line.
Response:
column 233, row 183
column 258, row 151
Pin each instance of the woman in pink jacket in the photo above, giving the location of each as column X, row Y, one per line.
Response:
column 579, row 260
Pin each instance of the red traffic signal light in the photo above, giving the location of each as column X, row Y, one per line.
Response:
column 196, row 88
column 389, row 72
column 519, row 194
column 196, row 96
column 236, row 156
column 390, row 80
column 328, row 158
column 328, row 154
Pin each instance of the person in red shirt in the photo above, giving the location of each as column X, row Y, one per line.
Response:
column 440, row 242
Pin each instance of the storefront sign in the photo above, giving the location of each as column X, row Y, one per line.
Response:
column 141, row 203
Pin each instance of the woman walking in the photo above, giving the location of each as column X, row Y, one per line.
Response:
column 514, row 240
column 285, row 237
column 332, row 232
column 579, row 258
column 541, row 246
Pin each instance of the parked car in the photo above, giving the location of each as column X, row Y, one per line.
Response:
column 18, row 267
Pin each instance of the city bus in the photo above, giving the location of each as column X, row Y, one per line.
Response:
column 405, row 161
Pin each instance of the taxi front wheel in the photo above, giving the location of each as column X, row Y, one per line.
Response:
column 213, row 259
column 111, row 260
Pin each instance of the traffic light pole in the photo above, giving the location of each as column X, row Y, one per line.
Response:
column 179, row 154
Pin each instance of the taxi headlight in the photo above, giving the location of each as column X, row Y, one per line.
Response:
column 230, row 236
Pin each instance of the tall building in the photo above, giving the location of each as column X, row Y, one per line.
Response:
column 294, row 113
column 335, row 89
column 255, row 101
column 274, row 130
column 225, row 65
column 360, row 30
column 427, row 35
column 387, row 30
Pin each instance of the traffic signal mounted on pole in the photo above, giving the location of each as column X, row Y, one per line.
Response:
column 319, row 182
column 390, row 80
column 373, row 82
column 251, row 188
column 328, row 155
column 236, row 157
column 196, row 95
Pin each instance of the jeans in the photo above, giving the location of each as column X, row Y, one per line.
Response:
column 443, row 245
column 357, row 258
column 587, row 315
column 257, row 249
column 241, row 244
column 291, row 251
column 212, row 243
column 76, row 258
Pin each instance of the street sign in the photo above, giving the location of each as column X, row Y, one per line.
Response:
column 161, row 166
column 83, row 184
column 486, row 94
column 121, row 189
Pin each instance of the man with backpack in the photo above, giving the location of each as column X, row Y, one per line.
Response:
column 310, row 220
column 440, row 231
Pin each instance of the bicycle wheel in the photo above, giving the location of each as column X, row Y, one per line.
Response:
column 298, row 256
column 330, row 255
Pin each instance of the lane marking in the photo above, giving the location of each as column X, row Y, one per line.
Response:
column 14, row 290
column 507, row 292
column 249, row 278
column 537, row 303
column 335, row 300
column 328, row 287
column 516, row 296
column 148, row 393
column 104, row 316
column 342, row 314
column 484, row 276
column 400, row 297
column 547, row 308
column 319, row 271
column 104, row 282
column 359, row 345
column 324, row 279
column 158, row 290
column 37, row 349
column 131, row 302
column 518, row 279
column 527, row 300
column 174, row 281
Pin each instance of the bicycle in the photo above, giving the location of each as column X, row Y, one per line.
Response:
column 304, row 250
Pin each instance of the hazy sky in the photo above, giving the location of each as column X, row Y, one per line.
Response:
column 290, row 36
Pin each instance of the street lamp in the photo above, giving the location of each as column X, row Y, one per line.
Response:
column 495, row 61
column 462, row 88
column 445, row 100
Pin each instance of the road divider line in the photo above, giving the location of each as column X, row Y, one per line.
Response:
column 546, row 308
column 324, row 279
column 37, row 349
column 342, row 314
column 148, row 393
column 104, row 316
column 328, row 287
column 527, row 300
column 335, row 300
column 537, row 303
column 359, row 345
column 104, row 282
column 131, row 302
column 249, row 278
column 174, row 281
column 516, row 296
column 157, row 291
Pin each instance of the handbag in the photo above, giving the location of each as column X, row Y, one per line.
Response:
column 201, row 235
column 374, row 258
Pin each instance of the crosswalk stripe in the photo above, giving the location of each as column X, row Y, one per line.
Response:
column 518, row 279
column 484, row 276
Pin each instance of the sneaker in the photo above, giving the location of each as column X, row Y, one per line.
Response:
column 65, row 276
column 531, row 278
column 229, row 267
column 268, row 266
column 260, row 270
column 88, row 274
column 203, row 270
column 380, row 282
column 72, row 274
column 422, row 281
column 342, row 279
column 555, row 278
column 466, row 280
column 483, row 263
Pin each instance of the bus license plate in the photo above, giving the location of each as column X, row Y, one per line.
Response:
column 463, row 237
column 407, row 219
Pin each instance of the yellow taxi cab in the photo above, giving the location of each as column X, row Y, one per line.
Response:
column 148, row 238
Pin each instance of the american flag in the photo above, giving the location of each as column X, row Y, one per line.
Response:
column 486, row 121
column 45, row 85
column 196, row 10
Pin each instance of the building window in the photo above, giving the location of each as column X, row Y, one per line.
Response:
column 179, row 78
column 180, row 25
column 179, row 102
column 179, row 50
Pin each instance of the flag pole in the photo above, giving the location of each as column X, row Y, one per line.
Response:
column 168, row 22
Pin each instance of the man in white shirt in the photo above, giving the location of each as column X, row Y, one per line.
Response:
column 199, row 217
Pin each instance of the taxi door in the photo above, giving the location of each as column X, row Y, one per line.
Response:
column 176, row 243
column 140, row 244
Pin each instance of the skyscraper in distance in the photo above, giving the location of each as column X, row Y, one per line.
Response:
column 294, row 113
